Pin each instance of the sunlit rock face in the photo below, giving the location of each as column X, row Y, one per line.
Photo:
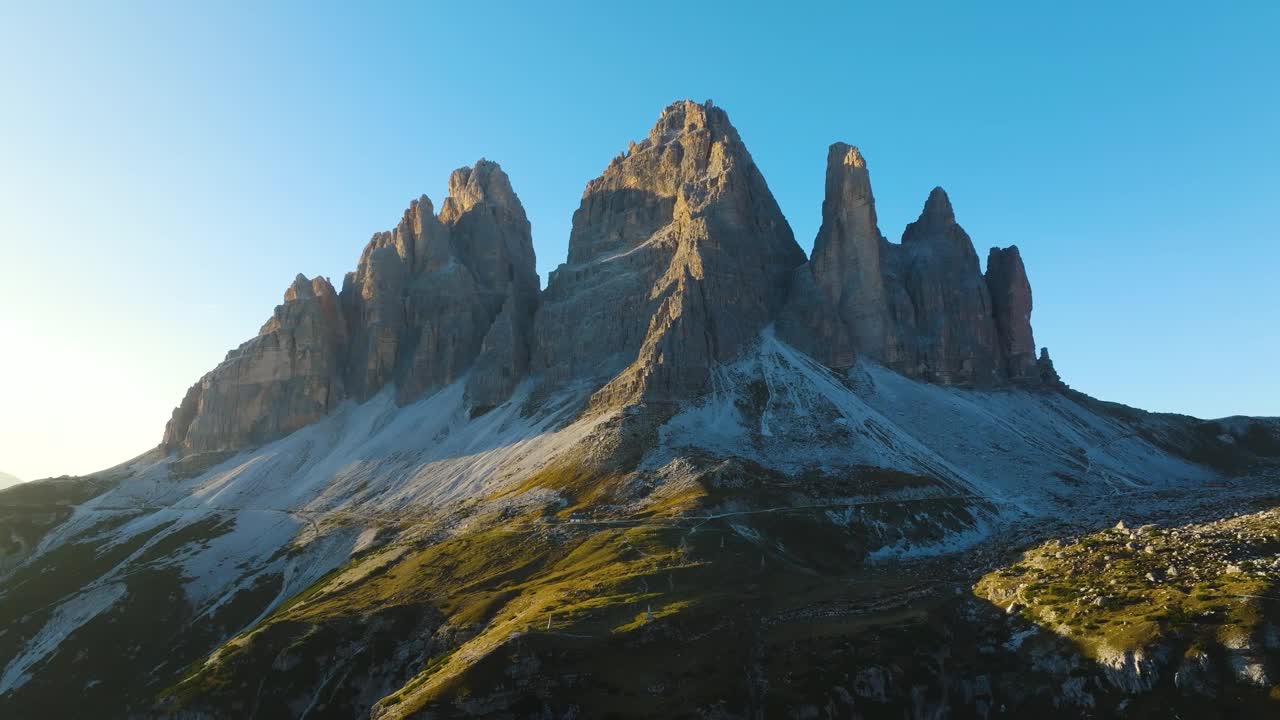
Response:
column 678, row 257
column 424, row 301
column 425, row 295
column 287, row 377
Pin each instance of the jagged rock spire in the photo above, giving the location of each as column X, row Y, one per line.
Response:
column 937, row 209
column 922, row 307
column 678, row 256
column 424, row 300
column 1011, row 305
column 287, row 377
column 419, row 318
column 1044, row 366
column 846, row 262
column 954, row 326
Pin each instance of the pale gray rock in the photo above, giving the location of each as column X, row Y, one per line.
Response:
column 678, row 257
column 447, row 315
column 287, row 377
column 373, row 299
column 809, row 323
column 504, row 355
column 424, row 296
column 419, row 309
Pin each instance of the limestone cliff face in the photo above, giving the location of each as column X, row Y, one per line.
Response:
column 921, row 307
column 953, row 323
column 847, row 262
column 287, row 377
column 424, row 301
column 678, row 257
column 425, row 295
column 1011, row 302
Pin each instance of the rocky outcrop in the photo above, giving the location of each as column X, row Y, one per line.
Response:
column 847, row 265
column 1044, row 368
column 289, row 376
column 678, row 257
column 424, row 301
column 921, row 307
column 425, row 295
column 1011, row 303
column 954, row 325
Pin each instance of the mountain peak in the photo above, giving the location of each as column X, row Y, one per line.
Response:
column 685, row 116
column 678, row 256
column 848, row 155
column 303, row 287
column 484, row 182
column 937, row 208
column 415, row 313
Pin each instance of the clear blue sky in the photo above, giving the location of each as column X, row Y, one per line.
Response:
column 165, row 171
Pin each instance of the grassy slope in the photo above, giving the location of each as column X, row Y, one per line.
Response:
column 525, row 609
column 1206, row 593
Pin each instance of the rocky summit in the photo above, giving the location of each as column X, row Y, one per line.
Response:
column 427, row 301
column 699, row 475
column 678, row 257
column 921, row 307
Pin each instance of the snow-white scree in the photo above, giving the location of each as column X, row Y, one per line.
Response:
column 368, row 464
column 1010, row 445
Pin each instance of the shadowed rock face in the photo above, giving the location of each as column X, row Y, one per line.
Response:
column 426, row 298
column 1044, row 367
column 679, row 255
column 847, row 258
column 954, row 326
column 922, row 307
column 1011, row 302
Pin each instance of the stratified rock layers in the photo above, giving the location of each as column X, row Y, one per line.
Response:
column 426, row 298
column 922, row 307
column 679, row 256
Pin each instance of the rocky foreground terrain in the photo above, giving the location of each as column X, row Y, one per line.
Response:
column 697, row 475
